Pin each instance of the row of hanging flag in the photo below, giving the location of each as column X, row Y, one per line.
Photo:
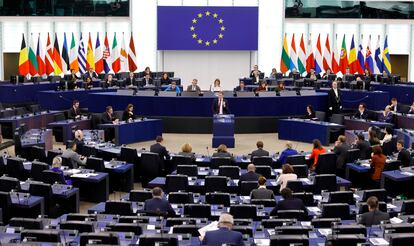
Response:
column 103, row 59
column 306, row 58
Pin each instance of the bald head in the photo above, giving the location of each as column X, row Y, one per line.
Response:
column 251, row 168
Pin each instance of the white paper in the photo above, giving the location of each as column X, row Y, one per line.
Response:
column 314, row 209
column 84, row 175
column 390, row 206
column 305, row 223
column 407, row 173
column 317, row 197
column 396, row 220
column 262, row 242
column 378, row 241
column 150, row 227
column 325, row 232
column 210, row 227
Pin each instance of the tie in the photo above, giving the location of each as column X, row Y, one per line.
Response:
column 220, row 106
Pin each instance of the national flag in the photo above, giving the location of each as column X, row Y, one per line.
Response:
column 310, row 59
column 353, row 61
column 23, row 59
column 369, row 63
column 284, row 60
column 386, row 60
column 57, row 60
column 65, row 56
column 293, row 63
column 132, row 59
column 81, row 56
column 74, row 64
column 116, row 60
column 318, row 57
column 123, row 56
column 302, row 56
column 90, row 60
column 361, row 59
column 33, row 66
column 343, row 61
column 377, row 58
column 327, row 56
column 40, row 57
column 335, row 63
column 106, row 55
column 98, row 56
column 49, row 57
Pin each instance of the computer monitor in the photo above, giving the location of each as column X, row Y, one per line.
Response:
column 108, row 238
column 401, row 239
column 151, row 240
column 287, row 240
column 50, row 236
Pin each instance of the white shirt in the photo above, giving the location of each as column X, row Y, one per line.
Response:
column 221, row 102
column 336, row 92
column 387, row 138
column 284, row 178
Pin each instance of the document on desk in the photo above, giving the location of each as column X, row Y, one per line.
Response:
column 366, row 165
column 84, row 175
column 262, row 242
column 315, row 210
column 407, row 173
column 325, row 232
column 213, row 226
column 396, row 220
column 306, row 180
column 378, row 241
column 73, row 171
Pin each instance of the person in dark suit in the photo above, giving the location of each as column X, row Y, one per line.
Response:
column 341, row 150
column 288, row 203
column 79, row 140
column 220, row 105
column 157, row 205
column 108, row 116
column 160, row 149
column 294, row 74
column 386, row 116
column 395, row 107
column 75, row 158
column 146, row 81
column 363, row 146
column 165, row 80
column 131, row 81
column 374, row 216
column 255, row 70
column 313, row 75
column 194, row 86
column 73, row 79
column 334, row 99
column 403, row 154
column 222, row 152
column 241, row 87
column 362, row 112
column 250, row 175
column 262, row 192
column 310, row 112
column 256, row 77
column 147, row 71
column 90, row 74
column 74, row 112
column 260, row 151
column 109, row 82
column 224, row 235
column 128, row 113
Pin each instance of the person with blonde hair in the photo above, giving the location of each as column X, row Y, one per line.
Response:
column 287, row 174
column 56, row 167
column 286, row 153
column 187, row 150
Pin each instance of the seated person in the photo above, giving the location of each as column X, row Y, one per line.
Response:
column 395, row 108
column 348, row 76
column 194, row 86
column 90, row 74
column 372, row 138
column 128, row 114
column 387, row 115
column 388, row 135
column 224, row 235
column 286, row 153
column 131, row 81
column 76, row 159
column 56, row 165
column 146, row 81
column 280, row 86
column 88, row 83
column 216, row 86
column 403, row 155
column 260, row 151
column 242, row 87
column 262, row 87
column 310, row 112
column 108, row 116
column 313, row 75
column 273, row 74
column 74, row 112
column 73, row 79
column 385, row 78
column 374, row 216
column 362, row 113
column 256, row 77
column 294, row 74
column 255, row 70
column 411, row 109
column 327, row 73
column 287, row 174
column 364, row 147
column 158, row 205
column 359, row 83
column 147, row 71
column 79, row 141
column 341, row 150
column 262, row 192
column 250, row 175
column 367, row 78
column 288, row 203
column 109, row 82
column 165, row 80
column 160, row 149
column 317, row 150
column 377, row 164
column 222, row 152
column 173, row 87
column 187, row 150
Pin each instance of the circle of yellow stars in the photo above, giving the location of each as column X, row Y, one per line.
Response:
column 193, row 28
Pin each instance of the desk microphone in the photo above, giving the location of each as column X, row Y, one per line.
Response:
column 208, row 152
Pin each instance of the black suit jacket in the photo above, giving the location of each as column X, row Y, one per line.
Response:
column 160, row 150
column 130, row 81
column 362, row 116
column 334, row 101
column 216, row 108
column 73, row 113
column 126, row 116
column 373, row 218
column 107, row 119
column 255, row 80
column 289, row 204
column 410, row 111
column 259, row 152
column 249, row 176
column 144, row 82
column 341, row 152
column 87, row 75
column 404, row 157
column 364, row 149
column 159, row 206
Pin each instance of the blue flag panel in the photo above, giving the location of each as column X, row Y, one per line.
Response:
column 207, row 28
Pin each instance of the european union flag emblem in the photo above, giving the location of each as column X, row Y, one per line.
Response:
column 207, row 28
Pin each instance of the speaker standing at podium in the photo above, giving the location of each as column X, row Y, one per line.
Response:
column 220, row 105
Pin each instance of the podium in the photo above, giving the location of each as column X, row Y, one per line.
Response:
column 223, row 130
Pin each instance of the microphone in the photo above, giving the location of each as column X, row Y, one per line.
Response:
column 208, row 152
